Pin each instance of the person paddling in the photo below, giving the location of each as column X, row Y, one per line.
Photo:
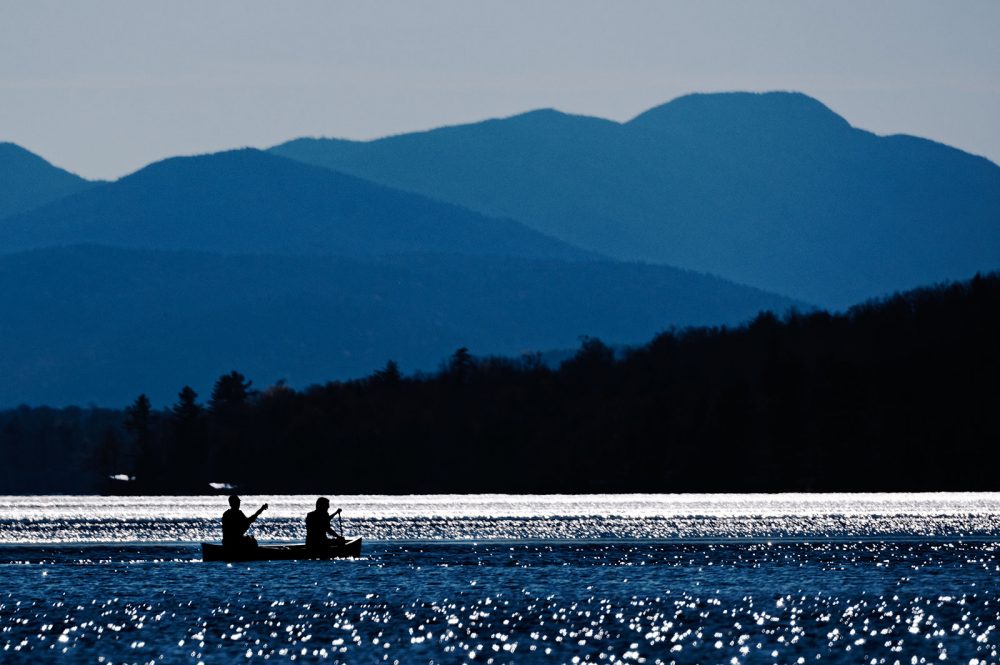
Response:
column 235, row 525
column 318, row 526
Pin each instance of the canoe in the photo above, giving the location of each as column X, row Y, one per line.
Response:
column 213, row 552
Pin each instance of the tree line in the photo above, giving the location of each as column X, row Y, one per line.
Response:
column 895, row 394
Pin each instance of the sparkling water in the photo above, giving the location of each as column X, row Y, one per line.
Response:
column 511, row 579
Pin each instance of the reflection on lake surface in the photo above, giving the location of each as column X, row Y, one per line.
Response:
column 844, row 579
column 69, row 519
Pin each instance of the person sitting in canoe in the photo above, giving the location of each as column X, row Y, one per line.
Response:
column 235, row 525
column 318, row 526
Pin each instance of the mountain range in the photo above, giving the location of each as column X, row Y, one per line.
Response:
column 772, row 190
column 324, row 258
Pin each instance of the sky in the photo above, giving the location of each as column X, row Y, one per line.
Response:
column 106, row 86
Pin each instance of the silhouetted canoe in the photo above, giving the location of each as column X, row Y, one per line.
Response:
column 212, row 552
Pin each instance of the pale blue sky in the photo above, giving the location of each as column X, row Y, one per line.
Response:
column 106, row 86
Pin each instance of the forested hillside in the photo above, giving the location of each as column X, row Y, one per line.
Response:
column 898, row 394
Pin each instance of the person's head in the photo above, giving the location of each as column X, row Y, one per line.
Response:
column 323, row 503
column 234, row 501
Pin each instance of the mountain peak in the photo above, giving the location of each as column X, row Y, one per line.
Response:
column 237, row 157
column 13, row 156
column 548, row 119
column 10, row 150
column 538, row 114
column 741, row 111
column 28, row 181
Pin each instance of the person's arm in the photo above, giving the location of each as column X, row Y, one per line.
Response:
column 257, row 514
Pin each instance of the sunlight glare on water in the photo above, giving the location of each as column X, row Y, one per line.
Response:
column 165, row 519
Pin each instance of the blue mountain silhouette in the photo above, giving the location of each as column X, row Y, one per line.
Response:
column 773, row 190
column 248, row 201
column 28, row 181
column 99, row 325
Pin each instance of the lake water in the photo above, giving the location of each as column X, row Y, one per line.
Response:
column 511, row 579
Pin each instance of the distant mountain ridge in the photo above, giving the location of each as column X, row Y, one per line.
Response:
column 774, row 190
column 28, row 181
column 248, row 201
column 195, row 265
column 99, row 325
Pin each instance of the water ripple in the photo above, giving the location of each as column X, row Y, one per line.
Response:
column 640, row 602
